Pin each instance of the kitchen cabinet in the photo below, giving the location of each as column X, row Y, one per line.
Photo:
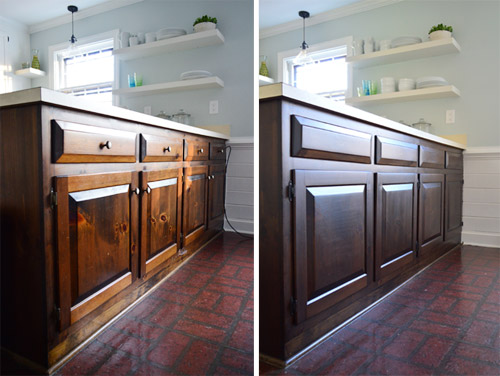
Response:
column 351, row 206
column 101, row 205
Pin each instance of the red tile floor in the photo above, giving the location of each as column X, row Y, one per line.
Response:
column 445, row 321
column 199, row 321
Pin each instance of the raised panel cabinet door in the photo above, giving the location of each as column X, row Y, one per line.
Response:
column 216, row 175
column 161, row 205
column 194, row 212
column 395, row 223
column 430, row 213
column 453, row 207
column 333, row 222
column 96, row 240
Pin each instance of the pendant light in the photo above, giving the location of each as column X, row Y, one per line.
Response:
column 303, row 58
column 73, row 46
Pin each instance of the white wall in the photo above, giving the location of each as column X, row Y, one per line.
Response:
column 14, row 49
column 232, row 61
column 475, row 71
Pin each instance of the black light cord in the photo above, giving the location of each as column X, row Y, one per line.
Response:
column 225, row 214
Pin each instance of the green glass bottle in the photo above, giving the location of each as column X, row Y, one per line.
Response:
column 35, row 63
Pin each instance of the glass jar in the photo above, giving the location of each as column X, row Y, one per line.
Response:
column 35, row 63
column 182, row 117
column 263, row 71
column 422, row 125
column 163, row 115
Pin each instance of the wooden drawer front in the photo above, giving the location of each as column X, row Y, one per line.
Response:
column 318, row 140
column 454, row 161
column 217, row 151
column 430, row 157
column 195, row 150
column 396, row 153
column 160, row 149
column 77, row 143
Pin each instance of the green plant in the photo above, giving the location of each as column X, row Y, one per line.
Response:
column 441, row 27
column 205, row 18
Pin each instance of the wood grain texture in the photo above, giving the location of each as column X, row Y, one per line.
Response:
column 160, row 149
column 454, row 160
column 431, row 157
column 194, row 216
column 430, row 213
column 217, row 151
column 216, row 194
column 195, row 150
column 394, row 152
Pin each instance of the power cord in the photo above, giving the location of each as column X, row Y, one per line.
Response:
column 225, row 214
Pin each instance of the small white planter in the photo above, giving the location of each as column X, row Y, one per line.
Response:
column 204, row 26
column 439, row 34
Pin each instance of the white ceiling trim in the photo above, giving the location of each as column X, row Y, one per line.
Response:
column 12, row 25
column 330, row 15
column 81, row 14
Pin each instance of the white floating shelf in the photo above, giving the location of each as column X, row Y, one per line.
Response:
column 263, row 80
column 184, row 42
column 30, row 73
column 405, row 96
column 404, row 53
column 171, row 87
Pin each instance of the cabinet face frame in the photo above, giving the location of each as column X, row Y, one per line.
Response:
column 153, row 184
column 194, row 175
column 216, row 195
column 353, row 183
column 67, row 272
column 452, row 228
column 394, row 184
column 429, row 244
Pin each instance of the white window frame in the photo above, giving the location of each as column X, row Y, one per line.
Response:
column 112, row 34
column 328, row 45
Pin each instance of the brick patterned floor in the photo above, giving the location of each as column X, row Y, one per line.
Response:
column 446, row 321
column 199, row 321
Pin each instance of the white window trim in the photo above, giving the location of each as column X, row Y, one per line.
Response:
column 347, row 41
column 85, row 40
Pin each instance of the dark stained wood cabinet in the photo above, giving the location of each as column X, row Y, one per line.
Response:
column 96, row 211
column 350, row 207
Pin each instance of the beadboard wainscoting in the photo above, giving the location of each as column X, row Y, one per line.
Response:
column 239, row 185
column 481, row 203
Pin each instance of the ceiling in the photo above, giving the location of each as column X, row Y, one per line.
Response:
column 276, row 12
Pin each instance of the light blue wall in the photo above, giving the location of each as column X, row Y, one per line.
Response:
column 232, row 61
column 475, row 71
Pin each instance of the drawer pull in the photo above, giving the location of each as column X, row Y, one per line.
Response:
column 221, row 151
column 106, row 144
column 200, row 151
column 168, row 148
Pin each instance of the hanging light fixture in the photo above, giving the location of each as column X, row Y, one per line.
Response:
column 303, row 57
column 73, row 46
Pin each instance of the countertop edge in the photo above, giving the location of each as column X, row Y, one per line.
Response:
column 64, row 100
column 287, row 91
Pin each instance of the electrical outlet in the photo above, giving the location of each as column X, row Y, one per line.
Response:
column 213, row 107
column 147, row 110
column 450, row 116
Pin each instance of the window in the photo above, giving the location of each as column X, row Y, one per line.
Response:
column 328, row 75
column 89, row 71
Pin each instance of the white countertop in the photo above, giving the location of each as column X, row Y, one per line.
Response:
column 283, row 90
column 64, row 100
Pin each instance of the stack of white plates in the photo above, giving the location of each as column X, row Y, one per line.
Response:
column 387, row 85
column 169, row 32
column 191, row 75
column 423, row 82
column 405, row 41
column 406, row 84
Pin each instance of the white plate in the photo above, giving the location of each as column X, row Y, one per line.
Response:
column 193, row 77
column 170, row 30
column 168, row 36
column 429, row 79
column 431, row 84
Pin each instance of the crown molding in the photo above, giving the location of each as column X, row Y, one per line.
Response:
column 8, row 25
column 81, row 14
column 330, row 15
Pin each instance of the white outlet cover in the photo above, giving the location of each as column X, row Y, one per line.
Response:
column 213, row 107
column 450, row 116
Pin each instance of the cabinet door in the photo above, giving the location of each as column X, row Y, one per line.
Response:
column 333, row 222
column 395, row 223
column 217, row 174
column 161, row 204
column 194, row 213
column 430, row 213
column 453, row 208
column 96, row 240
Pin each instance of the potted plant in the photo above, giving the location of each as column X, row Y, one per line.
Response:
column 440, row 31
column 204, row 23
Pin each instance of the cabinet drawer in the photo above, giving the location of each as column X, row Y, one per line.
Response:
column 159, row 149
column 454, row 161
column 394, row 152
column 195, row 150
column 217, row 151
column 78, row 143
column 318, row 140
column 431, row 157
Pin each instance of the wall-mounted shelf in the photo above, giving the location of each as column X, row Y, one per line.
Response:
column 30, row 73
column 263, row 80
column 404, row 53
column 405, row 96
column 171, row 87
column 184, row 42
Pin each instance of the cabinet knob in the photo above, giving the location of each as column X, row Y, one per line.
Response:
column 106, row 145
column 137, row 191
column 200, row 151
column 213, row 176
column 221, row 151
column 209, row 177
column 168, row 148
column 148, row 190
